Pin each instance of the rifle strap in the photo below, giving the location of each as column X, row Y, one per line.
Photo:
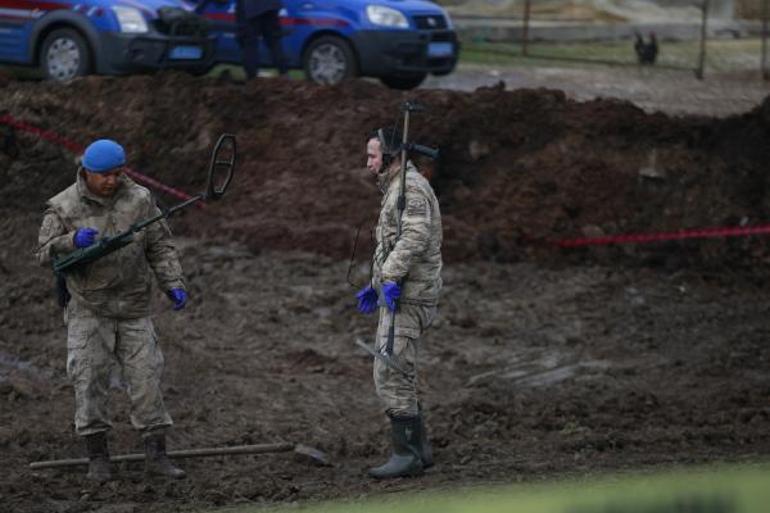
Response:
column 62, row 294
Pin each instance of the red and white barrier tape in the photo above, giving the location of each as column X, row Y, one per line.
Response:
column 77, row 148
column 643, row 238
column 629, row 238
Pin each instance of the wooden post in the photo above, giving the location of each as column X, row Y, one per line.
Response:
column 765, row 16
column 525, row 31
column 702, row 56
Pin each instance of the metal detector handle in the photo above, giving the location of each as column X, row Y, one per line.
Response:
column 423, row 150
column 212, row 191
column 412, row 106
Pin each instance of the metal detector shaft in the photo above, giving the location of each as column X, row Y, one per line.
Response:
column 185, row 453
column 401, row 206
column 383, row 358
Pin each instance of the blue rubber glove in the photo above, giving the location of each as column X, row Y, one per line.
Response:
column 367, row 300
column 391, row 291
column 179, row 297
column 84, row 237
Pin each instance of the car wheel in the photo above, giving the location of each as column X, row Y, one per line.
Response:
column 64, row 55
column 329, row 60
column 403, row 82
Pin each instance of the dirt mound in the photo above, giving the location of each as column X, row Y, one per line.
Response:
column 530, row 371
column 516, row 167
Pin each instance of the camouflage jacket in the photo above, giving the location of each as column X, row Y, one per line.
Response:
column 415, row 259
column 117, row 285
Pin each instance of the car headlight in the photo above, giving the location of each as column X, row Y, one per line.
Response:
column 449, row 23
column 385, row 16
column 130, row 19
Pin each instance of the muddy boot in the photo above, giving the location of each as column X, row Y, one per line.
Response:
column 99, row 466
column 405, row 460
column 426, row 451
column 157, row 462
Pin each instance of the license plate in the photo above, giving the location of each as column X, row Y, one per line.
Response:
column 186, row 53
column 440, row 49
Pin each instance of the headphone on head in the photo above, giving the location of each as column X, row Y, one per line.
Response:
column 389, row 149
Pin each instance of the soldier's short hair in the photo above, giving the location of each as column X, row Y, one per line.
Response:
column 390, row 139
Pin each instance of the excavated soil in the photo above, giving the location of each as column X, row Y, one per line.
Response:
column 544, row 362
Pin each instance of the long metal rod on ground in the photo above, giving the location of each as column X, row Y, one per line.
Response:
column 185, row 453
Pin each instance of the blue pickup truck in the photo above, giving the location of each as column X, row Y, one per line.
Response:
column 398, row 41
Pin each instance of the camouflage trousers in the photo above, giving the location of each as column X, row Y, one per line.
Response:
column 397, row 390
column 95, row 344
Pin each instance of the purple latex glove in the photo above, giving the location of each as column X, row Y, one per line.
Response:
column 179, row 297
column 367, row 300
column 391, row 291
column 84, row 237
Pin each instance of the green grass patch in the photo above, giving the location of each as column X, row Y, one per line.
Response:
column 238, row 74
column 736, row 489
column 721, row 55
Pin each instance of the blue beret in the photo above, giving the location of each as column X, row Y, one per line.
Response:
column 103, row 155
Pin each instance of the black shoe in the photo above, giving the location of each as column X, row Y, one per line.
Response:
column 157, row 462
column 99, row 466
column 405, row 460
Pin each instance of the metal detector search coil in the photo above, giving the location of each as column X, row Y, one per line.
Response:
column 221, row 167
column 220, row 174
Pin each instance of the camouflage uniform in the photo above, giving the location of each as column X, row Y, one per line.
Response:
column 415, row 262
column 108, row 315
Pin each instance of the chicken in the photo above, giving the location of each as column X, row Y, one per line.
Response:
column 646, row 52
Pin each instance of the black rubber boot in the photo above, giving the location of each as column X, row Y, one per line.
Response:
column 426, row 451
column 157, row 462
column 99, row 466
column 405, row 460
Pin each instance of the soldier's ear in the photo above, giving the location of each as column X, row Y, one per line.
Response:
column 82, row 172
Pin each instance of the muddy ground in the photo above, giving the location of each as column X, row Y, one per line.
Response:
column 543, row 363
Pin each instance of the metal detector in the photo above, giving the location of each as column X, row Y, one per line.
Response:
column 220, row 174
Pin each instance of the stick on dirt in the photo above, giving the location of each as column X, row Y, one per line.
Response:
column 186, row 453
